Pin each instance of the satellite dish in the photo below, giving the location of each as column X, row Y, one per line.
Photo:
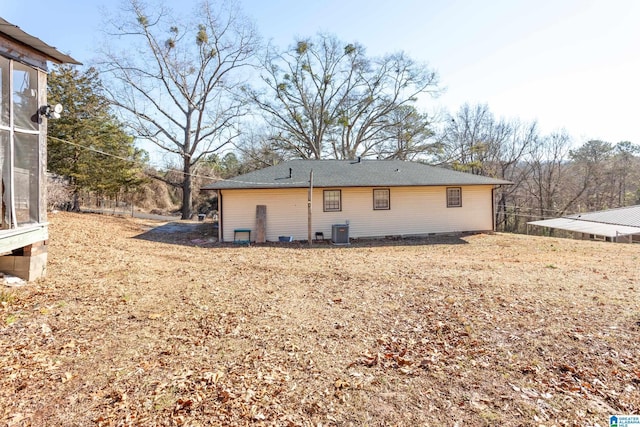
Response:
column 57, row 109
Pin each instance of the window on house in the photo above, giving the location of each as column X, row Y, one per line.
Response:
column 454, row 197
column 381, row 199
column 332, row 200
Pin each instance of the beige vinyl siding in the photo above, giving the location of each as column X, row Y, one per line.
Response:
column 414, row 211
column 286, row 212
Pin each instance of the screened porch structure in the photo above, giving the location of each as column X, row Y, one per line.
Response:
column 23, row 153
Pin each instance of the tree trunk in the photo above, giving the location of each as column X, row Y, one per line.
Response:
column 501, row 214
column 186, row 190
column 75, row 207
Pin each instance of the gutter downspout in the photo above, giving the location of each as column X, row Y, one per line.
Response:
column 220, row 222
column 493, row 208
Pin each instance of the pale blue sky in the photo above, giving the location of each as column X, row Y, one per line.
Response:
column 566, row 63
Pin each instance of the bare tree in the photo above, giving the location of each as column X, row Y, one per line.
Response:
column 465, row 138
column 475, row 141
column 326, row 98
column 548, row 183
column 177, row 83
column 256, row 150
column 550, row 177
column 407, row 136
column 514, row 141
column 59, row 192
column 626, row 167
column 594, row 176
column 592, row 166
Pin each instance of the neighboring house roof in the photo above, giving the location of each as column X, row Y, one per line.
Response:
column 609, row 223
column 352, row 173
column 51, row 53
column 629, row 215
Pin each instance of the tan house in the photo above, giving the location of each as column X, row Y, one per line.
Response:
column 362, row 198
column 23, row 153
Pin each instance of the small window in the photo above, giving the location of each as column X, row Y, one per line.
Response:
column 332, row 200
column 381, row 199
column 454, row 197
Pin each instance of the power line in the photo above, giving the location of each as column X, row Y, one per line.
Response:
column 95, row 150
column 135, row 162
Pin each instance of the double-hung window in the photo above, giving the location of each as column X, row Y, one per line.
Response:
column 454, row 197
column 381, row 200
column 332, row 200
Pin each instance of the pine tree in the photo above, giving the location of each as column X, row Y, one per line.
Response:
column 87, row 144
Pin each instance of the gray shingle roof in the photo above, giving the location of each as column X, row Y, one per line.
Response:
column 629, row 216
column 351, row 173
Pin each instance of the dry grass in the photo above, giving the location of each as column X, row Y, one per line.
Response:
column 484, row 330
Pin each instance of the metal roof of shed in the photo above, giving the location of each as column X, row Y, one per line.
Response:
column 610, row 223
column 352, row 173
column 629, row 215
column 51, row 53
column 588, row 227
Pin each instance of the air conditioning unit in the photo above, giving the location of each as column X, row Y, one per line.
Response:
column 340, row 234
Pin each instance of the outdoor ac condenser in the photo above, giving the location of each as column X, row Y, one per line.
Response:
column 340, row 234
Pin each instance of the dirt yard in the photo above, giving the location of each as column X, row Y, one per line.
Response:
column 134, row 327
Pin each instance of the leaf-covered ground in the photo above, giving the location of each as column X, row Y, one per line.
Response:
column 484, row 330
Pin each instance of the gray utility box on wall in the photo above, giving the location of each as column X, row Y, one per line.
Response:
column 340, row 234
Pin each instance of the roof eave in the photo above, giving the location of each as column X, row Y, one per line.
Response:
column 315, row 185
column 17, row 35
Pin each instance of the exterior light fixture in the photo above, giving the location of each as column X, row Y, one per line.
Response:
column 51, row 111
